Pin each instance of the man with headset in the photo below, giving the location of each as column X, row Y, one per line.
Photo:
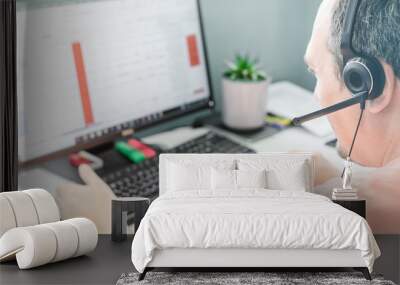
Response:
column 354, row 53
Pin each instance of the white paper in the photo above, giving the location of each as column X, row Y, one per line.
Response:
column 289, row 100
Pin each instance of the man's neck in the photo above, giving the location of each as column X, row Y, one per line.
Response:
column 390, row 131
column 390, row 137
column 392, row 153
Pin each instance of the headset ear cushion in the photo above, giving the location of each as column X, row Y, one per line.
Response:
column 357, row 76
column 364, row 74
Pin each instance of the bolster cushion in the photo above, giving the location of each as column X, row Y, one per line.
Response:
column 37, row 245
column 27, row 208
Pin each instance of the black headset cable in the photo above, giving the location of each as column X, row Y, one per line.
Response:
column 355, row 136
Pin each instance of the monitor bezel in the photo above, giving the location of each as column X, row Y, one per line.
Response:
column 209, row 105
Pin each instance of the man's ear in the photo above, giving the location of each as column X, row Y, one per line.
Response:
column 382, row 102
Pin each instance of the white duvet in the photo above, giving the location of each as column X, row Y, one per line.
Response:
column 250, row 219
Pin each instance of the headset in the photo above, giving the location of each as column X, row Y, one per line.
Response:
column 363, row 75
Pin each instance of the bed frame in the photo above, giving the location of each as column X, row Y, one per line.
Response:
column 241, row 260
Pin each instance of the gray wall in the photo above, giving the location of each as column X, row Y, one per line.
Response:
column 276, row 31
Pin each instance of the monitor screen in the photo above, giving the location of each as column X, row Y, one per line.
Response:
column 88, row 70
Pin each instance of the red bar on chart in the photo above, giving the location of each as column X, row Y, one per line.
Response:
column 194, row 56
column 83, row 85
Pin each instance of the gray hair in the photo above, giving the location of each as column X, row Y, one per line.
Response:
column 376, row 31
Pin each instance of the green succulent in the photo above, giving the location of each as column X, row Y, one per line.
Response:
column 244, row 68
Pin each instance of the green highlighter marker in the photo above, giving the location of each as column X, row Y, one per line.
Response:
column 130, row 153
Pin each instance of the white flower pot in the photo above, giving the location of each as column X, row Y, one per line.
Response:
column 244, row 104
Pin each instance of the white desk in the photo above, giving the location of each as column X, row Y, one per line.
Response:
column 292, row 139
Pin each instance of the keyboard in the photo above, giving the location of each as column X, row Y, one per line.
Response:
column 141, row 180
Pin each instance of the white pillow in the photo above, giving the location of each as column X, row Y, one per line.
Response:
column 188, row 177
column 223, row 179
column 227, row 179
column 282, row 174
column 251, row 178
column 293, row 180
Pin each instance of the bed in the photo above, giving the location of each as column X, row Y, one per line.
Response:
column 247, row 211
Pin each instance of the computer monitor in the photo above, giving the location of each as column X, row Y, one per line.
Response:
column 91, row 70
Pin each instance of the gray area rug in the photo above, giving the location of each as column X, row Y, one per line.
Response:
column 232, row 278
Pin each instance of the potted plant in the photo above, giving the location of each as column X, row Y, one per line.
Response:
column 244, row 94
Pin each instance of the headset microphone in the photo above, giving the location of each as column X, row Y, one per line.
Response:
column 359, row 98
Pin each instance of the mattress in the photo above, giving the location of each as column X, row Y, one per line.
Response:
column 250, row 219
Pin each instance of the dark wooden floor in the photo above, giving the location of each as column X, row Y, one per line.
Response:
column 103, row 266
column 110, row 260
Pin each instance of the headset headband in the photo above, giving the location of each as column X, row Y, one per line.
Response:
column 346, row 45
